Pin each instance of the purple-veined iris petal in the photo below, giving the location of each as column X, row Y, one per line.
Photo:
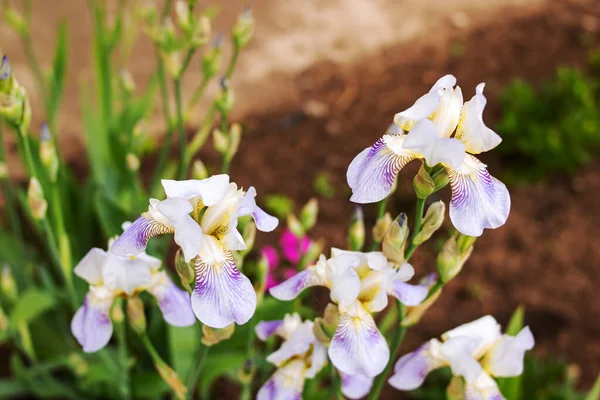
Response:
column 264, row 222
column 174, row 303
column 222, row 295
column 90, row 266
column 285, row 384
column 410, row 295
column 91, row 324
column 471, row 130
column 411, row 369
column 505, row 359
column 266, row 329
column 483, row 388
column 210, row 190
column 135, row 238
column 372, row 173
column 357, row 347
column 356, row 386
column 290, row 288
column 479, row 201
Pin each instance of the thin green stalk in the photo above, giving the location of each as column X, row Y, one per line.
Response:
column 395, row 346
column 201, row 135
column 197, row 95
column 381, row 207
column 182, row 133
column 247, row 387
column 417, row 228
column 168, row 140
column 193, row 377
column 232, row 62
column 7, row 190
column 226, row 157
column 64, row 246
column 163, row 369
column 121, row 331
column 335, row 382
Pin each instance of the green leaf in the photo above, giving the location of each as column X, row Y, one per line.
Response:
column 220, row 364
column 10, row 388
column 183, row 345
column 59, row 69
column 279, row 205
column 31, row 305
column 149, row 385
column 594, row 394
column 516, row 322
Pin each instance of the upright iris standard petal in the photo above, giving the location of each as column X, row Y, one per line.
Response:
column 285, row 384
column 222, row 295
column 344, row 281
column 125, row 275
column 291, row 288
column 90, row 266
column 479, row 201
column 91, row 324
column 447, row 114
column 135, row 238
column 459, row 352
column 425, row 105
column 357, row 347
column 372, row 173
column 188, row 234
column 424, row 139
column 174, row 303
column 505, row 359
column 471, row 130
column 210, row 190
column 411, row 369
column 356, row 386
column 266, row 329
column 264, row 222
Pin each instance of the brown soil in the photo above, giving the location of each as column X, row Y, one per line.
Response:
column 545, row 257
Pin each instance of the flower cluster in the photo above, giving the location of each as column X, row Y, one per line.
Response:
column 439, row 130
column 292, row 249
column 359, row 285
column 111, row 276
column 477, row 351
column 203, row 216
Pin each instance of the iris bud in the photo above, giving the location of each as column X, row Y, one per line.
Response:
column 211, row 62
column 212, row 336
column 324, row 328
column 15, row 21
column 434, row 217
column 381, row 227
column 199, row 170
column 135, row 315
column 295, row 226
column 126, row 81
column 235, row 136
column 133, row 162
column 242, row 31
column 202, row 30
column 182, row 11
column 184, row 270
column 8, row 284
column 356, row 233
column 36, row 201
column 423, row 183
column 78, row 364
column 395, row 240
column 309, row 214
column 439, row 176
column 220, row 141
column 48, row 153
column 224, row 102
column 451, row 259
column 171, row 378
column 456, row 389
column 3, row 170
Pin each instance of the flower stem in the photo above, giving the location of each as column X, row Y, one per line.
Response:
column 395, row 346
column 381, row 207
column 181, row 128
column 335, row 382
column 417, row 228
column 123, row 354
column 192, row 380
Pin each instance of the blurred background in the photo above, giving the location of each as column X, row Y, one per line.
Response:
column 321, row 80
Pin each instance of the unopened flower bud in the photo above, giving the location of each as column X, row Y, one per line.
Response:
column 211, row 62
column 246, row 372
column 6, row 76
column 249, row 236
column 235, row 136
column 381, row 227
column 220, row 141
column 35, row 199
column 171, row 378
column 8, row 284
column 434, row 217
column 15, row 21
column 116, row 314
column 126, row 81
column 356, row 233
column 465, row 242
column 212, row 336
column 423, row 183
column 439, row 176
column 242, row 31
column 136, row 315
column 202, row 30
column 451, row 259
column 184, row 270
column 78, row 364
column 146, row 11
column 312, row 253
column 295, row 226
column 182, row 11
column 48, row 155
column 133, row 162
column 456, row 389
column 324, row 328
column 199, row 170
column 168, row 38
column 173, row 63
column 309, row 214
column 3, row 170
column 415, row 314
column 224, row 102
column 395, row 240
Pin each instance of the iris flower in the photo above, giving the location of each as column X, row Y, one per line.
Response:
column 477, row 351
column 111, row 276
column 359, row 285
column 203, row 216
column 300, row 357
column 439, row 129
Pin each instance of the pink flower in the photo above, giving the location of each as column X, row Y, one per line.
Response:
column 270, row 253
column 292, row 247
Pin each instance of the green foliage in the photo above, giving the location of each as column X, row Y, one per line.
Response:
column 553, row 128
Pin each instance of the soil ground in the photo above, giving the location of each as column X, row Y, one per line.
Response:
column 546, row 257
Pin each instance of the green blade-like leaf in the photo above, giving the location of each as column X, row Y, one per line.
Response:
column 59, row 70
column 183, row 345
column 31, row 305
column 594, row 394
column 517, row 322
